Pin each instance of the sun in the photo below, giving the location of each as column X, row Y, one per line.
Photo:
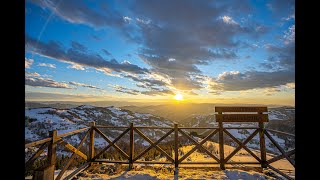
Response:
column 178, row 97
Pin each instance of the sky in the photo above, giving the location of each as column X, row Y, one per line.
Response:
column 150, row 50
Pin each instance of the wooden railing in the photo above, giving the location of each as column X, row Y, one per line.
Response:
column 130, row 158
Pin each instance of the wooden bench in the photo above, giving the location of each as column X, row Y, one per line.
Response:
column 236, row 114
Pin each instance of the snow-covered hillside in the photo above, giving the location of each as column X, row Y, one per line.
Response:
column 39, row 121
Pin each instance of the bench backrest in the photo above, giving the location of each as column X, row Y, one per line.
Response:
column 255, row 115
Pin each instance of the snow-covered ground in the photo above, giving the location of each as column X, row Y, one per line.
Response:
column 166, row 172
column 183, row 174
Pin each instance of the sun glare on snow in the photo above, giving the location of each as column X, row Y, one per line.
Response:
column 178, row 97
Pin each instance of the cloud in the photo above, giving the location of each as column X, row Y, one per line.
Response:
column 47, row 65
column 271, row 91
column 106, row 52
column 291, row 85
column 78, row 12
column 34, row 74
column 229, row 20
column 179, row 35
column 45, row 82
column 76, row 66
column 158, row 92
column 147, row 82
column 282, row 57
column 83, row 85
column 28, row 62
column 125, row 90
column 151, row 92
column 77, row 46
column 236, row 81
column 73, row 56
column 127, row 19
column 290, row 17
column 289, row 35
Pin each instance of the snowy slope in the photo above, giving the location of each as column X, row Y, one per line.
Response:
column 39, row 121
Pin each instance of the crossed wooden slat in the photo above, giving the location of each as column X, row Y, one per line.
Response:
column 112, row 143
column 281, row 173
column 154, row 144
column 198, row 145
column 72, row 157
column 240, row 144
column 71, row 148
column 274, row 159
column 284, row 154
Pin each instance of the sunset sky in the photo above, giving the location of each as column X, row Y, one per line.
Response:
column 206, row 51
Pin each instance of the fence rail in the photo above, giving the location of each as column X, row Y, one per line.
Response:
column 133, row 158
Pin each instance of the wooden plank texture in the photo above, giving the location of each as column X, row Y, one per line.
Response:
column 241, row 109
column 91, row 142
column 31, row 144
column 73, row 149
column 131, row 153
column 72, row 157
column 242, row 117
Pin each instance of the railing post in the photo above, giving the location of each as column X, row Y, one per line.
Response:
column 131, row 153
column 262, row 146
column 52, row 155
column 176, row 148
column 221, row 146
column 91, row 143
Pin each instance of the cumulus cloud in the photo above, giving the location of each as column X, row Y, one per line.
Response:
column 45, row 82
column 176, row 40
column 76, row 66
column 236, row 81
column 34, row 74
column 73, row 56
column 291, row 85
column 282, row 57
column 147, row 82
column 28, row 62
column 47, row 65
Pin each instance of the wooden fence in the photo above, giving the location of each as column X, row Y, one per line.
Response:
column 131, row 158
